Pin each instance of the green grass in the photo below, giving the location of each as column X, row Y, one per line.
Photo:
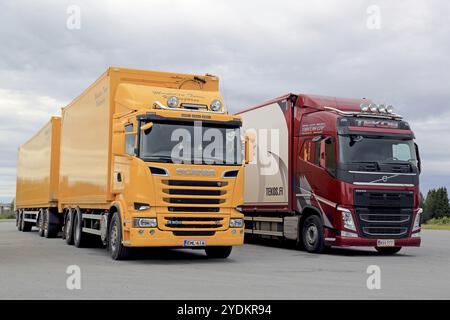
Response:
column 7, row 215
column 437, row 224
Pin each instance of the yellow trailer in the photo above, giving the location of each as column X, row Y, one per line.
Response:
column 38, row 180
column 151, row 158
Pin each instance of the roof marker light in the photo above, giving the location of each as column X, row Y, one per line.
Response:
column 373, row 107
column 364, row 107
column 172, row 102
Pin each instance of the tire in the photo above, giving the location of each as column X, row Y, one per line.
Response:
column 218, row 252
column 117, row 250
column 388, row 250
column 50, row 230
column 40, row 223
column 25, row 226
column 80, row 239
column 68, row 228
column 19, row 220
column 313, row 235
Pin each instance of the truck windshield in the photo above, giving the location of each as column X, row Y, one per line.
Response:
column 191, row 143
column 359, row 149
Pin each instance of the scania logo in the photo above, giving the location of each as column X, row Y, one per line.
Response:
column 195, row 172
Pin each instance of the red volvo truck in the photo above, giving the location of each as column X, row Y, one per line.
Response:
column 332, row 172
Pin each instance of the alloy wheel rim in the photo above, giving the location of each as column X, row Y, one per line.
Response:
column 114, row 233
column 311, row 234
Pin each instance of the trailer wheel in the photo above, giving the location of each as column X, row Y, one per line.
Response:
column 68, row 227
column 80, row 239
column 313, row 235
column 388, row 250
column 40, row 223
column 25, row 226
column 116, row 248
column 50, row 229
column 218, row 252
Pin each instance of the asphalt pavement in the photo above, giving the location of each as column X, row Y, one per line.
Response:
column 37, row 268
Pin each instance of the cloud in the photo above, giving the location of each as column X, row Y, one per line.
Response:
column 260, row 49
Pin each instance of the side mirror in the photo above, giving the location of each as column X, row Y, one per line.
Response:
column 249, row 146
column 419, row 161
column 147, row 126
column 322, row 162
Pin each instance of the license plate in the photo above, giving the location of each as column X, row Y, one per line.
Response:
column 194, row 243
column 385, row 243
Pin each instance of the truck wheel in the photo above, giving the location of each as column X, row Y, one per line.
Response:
column 80, row 239
column 218, row 252
column 19, row 220
column 50, row 229
column 312, row 235
column 25, row 226
column 40, row 224
column 388, row 250
column 117, row 250
column 68, row 228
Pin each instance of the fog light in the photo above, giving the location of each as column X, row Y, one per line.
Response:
column 346, row 234
column 145, row 222
column 236, row 223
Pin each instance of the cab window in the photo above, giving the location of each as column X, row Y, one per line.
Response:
column 130, row 139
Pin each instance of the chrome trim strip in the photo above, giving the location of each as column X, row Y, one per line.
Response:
column 160, row 105
column 383, row 184
column 323, row 200
column 385, row 173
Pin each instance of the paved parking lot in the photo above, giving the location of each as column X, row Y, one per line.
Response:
column 32, row 268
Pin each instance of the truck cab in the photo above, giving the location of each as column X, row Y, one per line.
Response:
column 358, row 165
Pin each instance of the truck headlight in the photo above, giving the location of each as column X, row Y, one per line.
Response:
column 236, row 223
column 347, row 218
column 417, row 220
column 172, row 102
column 216, row 105
column 145, row 222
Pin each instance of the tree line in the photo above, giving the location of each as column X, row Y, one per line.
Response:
column 435, row 205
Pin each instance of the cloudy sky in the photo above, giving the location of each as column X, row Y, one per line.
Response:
column 394, row 52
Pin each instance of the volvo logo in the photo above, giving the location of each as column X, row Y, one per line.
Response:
column 384, row 178
column 195, row 172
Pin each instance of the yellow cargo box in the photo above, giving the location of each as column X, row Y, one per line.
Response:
column 38, row 168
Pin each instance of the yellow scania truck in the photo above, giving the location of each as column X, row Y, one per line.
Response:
column 139, row 159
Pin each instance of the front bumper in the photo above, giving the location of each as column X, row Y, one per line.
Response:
column 363, row 242
column 162, row 238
